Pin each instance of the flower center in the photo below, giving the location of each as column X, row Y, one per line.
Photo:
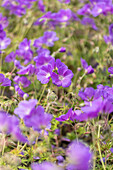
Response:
column 61, row 78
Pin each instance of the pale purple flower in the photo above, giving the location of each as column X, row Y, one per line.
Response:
column 4, row 43
column 79, row 156
column 38, row 119
column 25, row 107
column 45, row 73
column 49, row 37
column 10, row 125
column 45, row 166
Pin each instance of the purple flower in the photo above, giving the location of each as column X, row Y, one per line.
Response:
column 10, row 125
column 68, row 116
column 20, row 91
column 64, row 76
column 79, row 156
column 49, row 37
column 25, row 50
column 46, row 17
column 63, row 15
column 84, row 10
column 30, row 69
column 89, row 21
column 25, row 107
column 110, row 70
column 3, row 21
column 90, row 111
column 88, row 69
column 45, row 73
column 43, row 60
column 17, row 64
column 45, row 166
column 4, row 81
column 43, row 52
column 2, row 33
column 38, row 119
column 4, row 43
column 62, row 50
column 41, row 6
column 88, row 94
column 23, row 80
column 10, row 57
column 38, row 42
column 111, row 149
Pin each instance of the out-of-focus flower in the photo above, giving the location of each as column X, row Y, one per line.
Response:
column 30, row 69
column 25, row 50
column 41, row 6
column 4, row 81
column 23, row 80
column 89, row 21
column 10, row 57
column 10, row 125
column 45, row 166
column 62, row 50
column 79, row 156
column 4, row 43
column 64, row 1
column 88, row 69
column 49, row 37
column 20, row 92
column 68, row 116
column 110, row 70
column 88, row 93
column 38, row 119
column 3, row 21
column 25, row 107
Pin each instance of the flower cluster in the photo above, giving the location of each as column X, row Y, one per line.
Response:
column 61, row 18
column 95, row 100
column 17, row 7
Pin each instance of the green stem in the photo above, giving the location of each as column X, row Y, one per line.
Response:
column 93, row 136
column 42, row 93
column 99, row 149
